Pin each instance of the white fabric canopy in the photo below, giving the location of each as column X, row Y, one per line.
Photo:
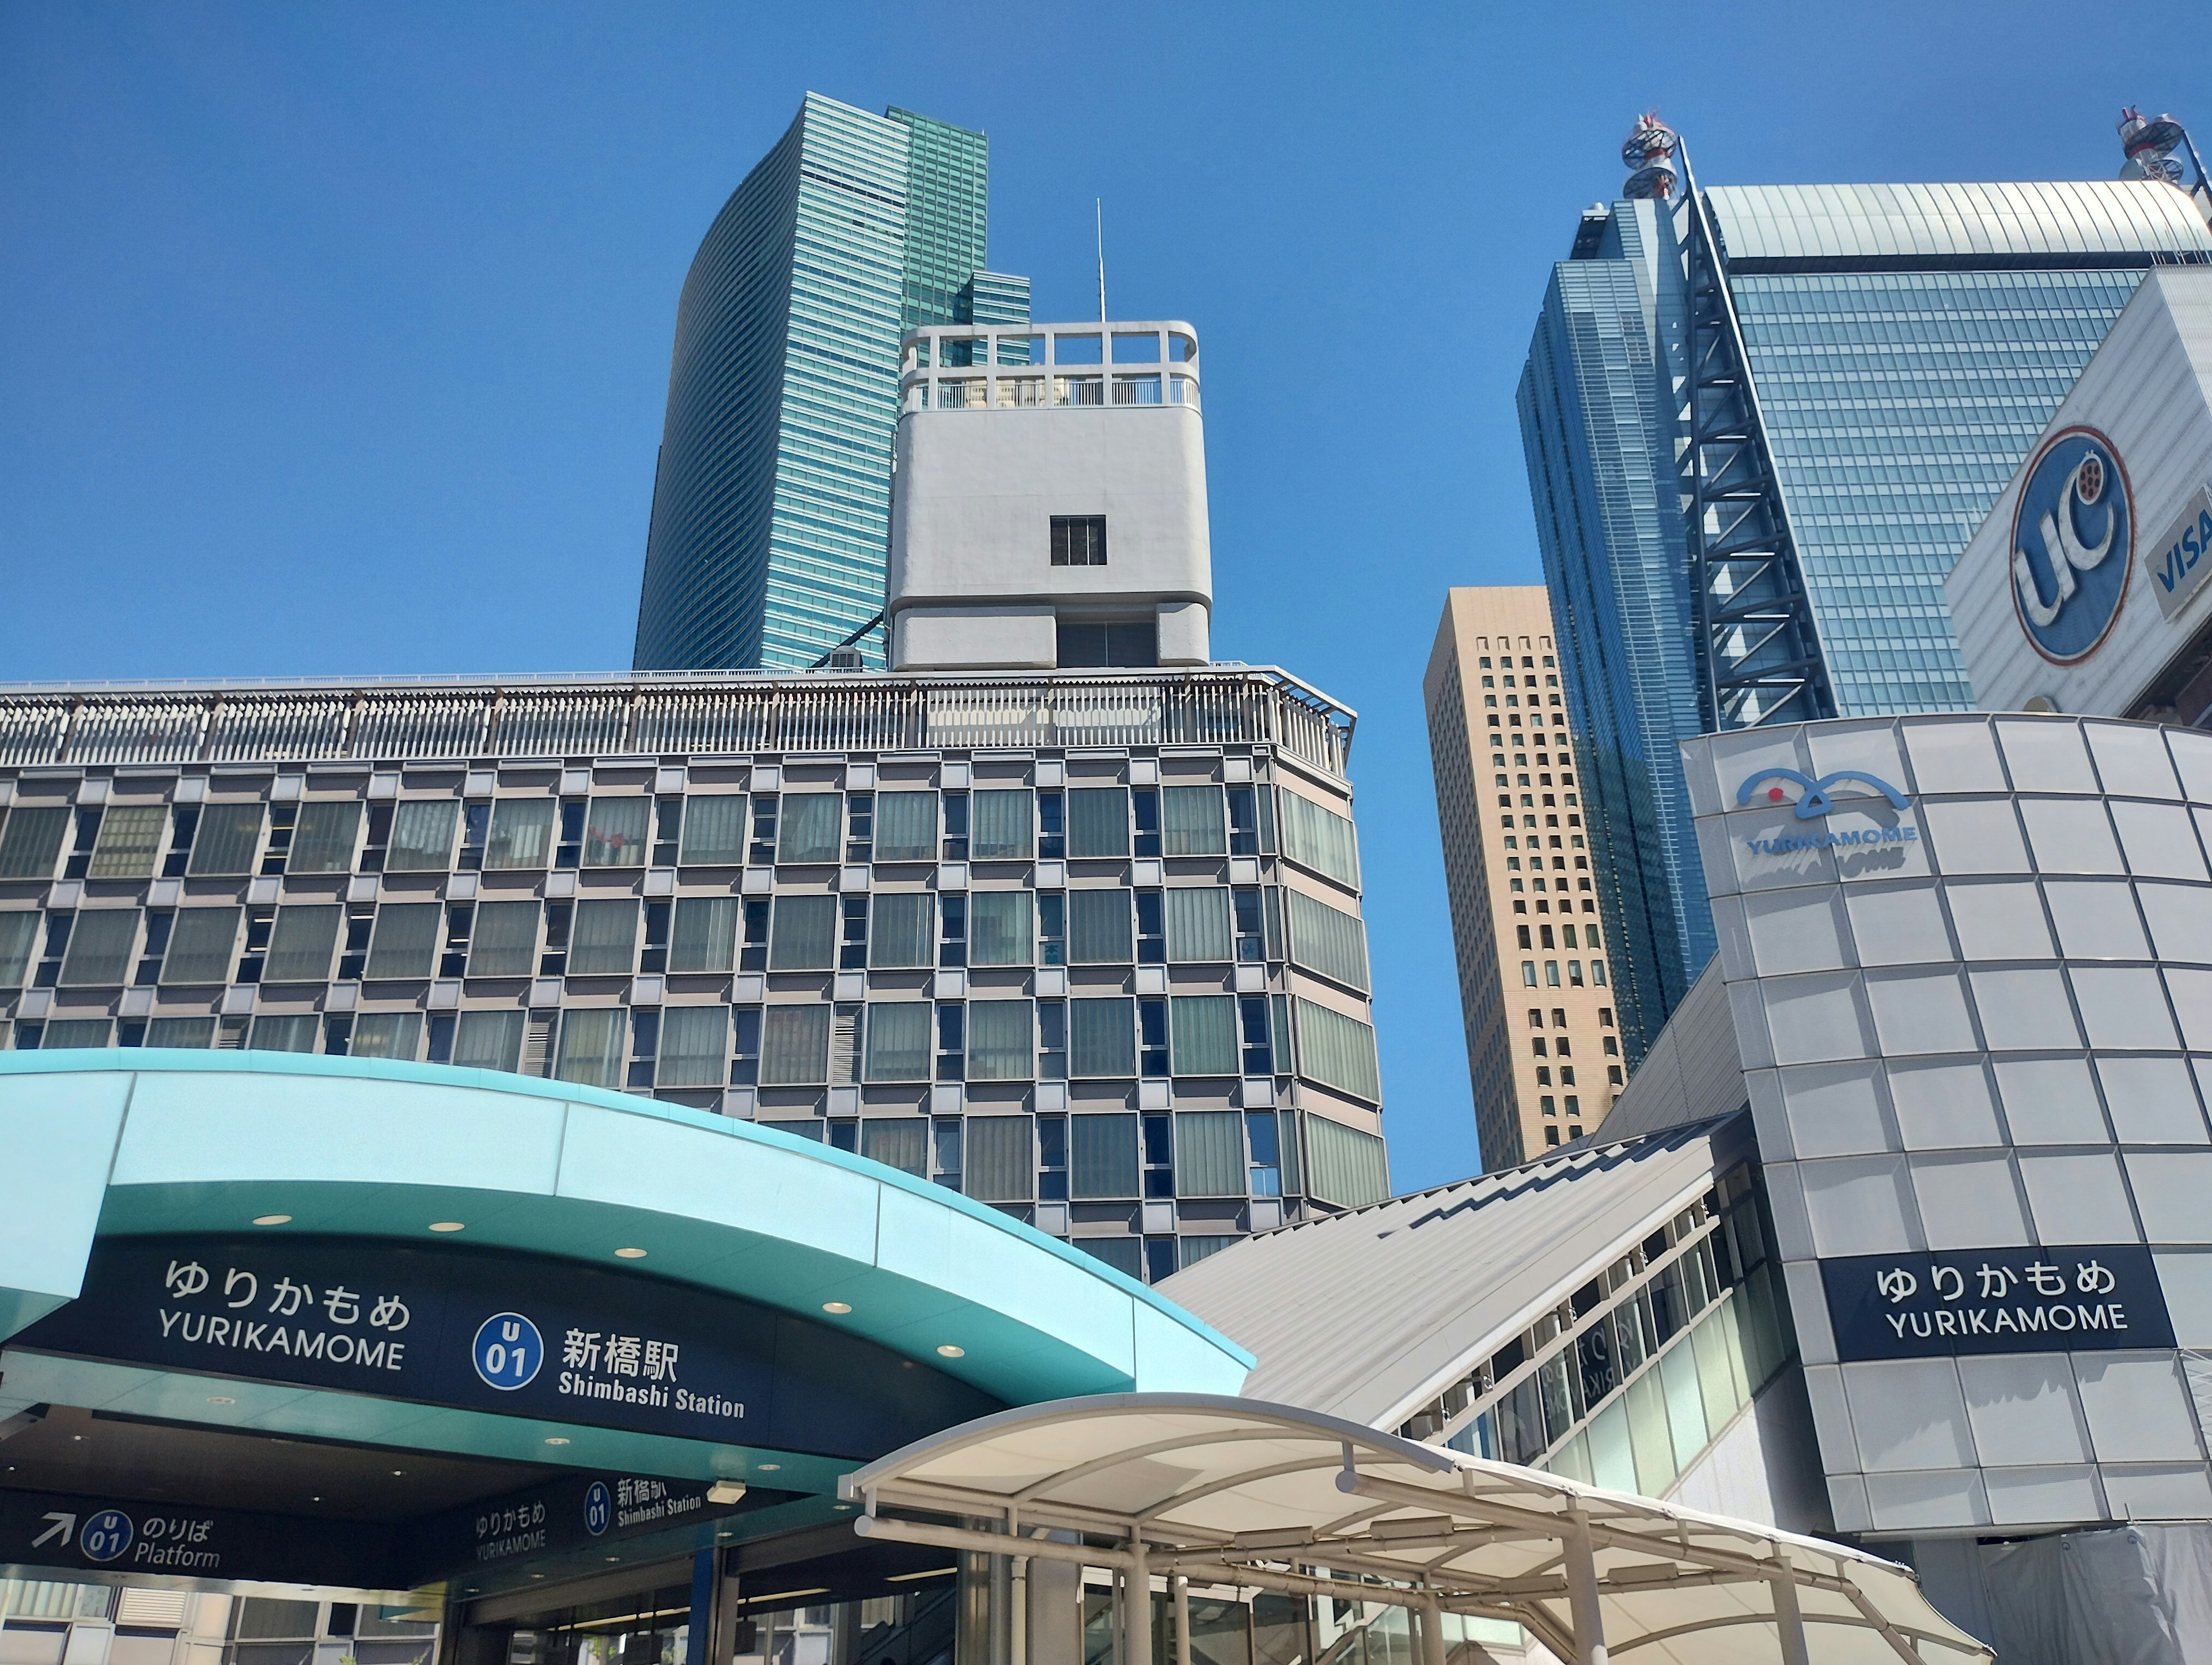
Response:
column 1234, row 1491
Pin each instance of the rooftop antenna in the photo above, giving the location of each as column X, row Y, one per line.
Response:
column 1098, row 206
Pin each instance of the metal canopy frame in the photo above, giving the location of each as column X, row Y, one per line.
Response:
column 1236, row 1492
column 1758, row 648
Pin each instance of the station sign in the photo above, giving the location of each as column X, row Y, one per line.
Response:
column 513, row 1335
column 2096, row 1299
column 102, row 1535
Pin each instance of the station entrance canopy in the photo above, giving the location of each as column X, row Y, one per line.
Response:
column 1231, row 1492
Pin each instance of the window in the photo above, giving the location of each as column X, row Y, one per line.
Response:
column 19, row 937
column 617, row 831
column 1000, row 1162
column 956, row 826
column 761, row 852
column 952, row 929
column 1001, row 820
column 1192, row 821
column 1320, row 839
column 1551, row 974
column 705, row 934
column 1103, row 644
column 999, row 931
column 323, row 838
column 745, row 1045
column 945, row 1150
column 853, row 944
column 1337, row 1051
column 405, row 940
column 1331, row 942
column 1103, row 1039
column 1529, row 973
column 1204, row 1030
column 1052, row 927
column 1251, row 936
column 1349, row 1167
column 1210, row 1153
column 591, row 1047
column 569, row 852
column 228, row 839
column 99, row 948
column 906, row 826
column 1078, row 540
column 1098, row 821
column 1153, row 1038
column 714, row 831
column 694, row 1046
column 488, row 1041
column 300, row 947
column 1145, row 811
column 1259, row 1052
column 1098, row 927
column 1152, row 929
column 1104, row 1155
column 951, row 1042
column 1052, row 1040
column 811, row 825
column 902, row 1144
column 795, row 1046
column 999, row 1043
column 860, row 826
column 1198, row 923
column 130, row 838
column 1264, row 1174
column 805, row 937
column 603, row 942
column 377, row 1035
column 898, row 1041
column 422, row 836
column 903, row 931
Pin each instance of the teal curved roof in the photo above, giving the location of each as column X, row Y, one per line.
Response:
column 122, row 1143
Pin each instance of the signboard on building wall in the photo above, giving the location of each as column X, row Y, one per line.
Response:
column 2178, row 562
column 512, row 1334
column 2096, row 1299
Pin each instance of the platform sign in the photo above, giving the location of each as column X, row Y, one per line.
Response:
column 515, row 1334
column 92, row 1533
column 2099, row 1298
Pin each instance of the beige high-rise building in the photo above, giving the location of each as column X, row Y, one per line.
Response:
column 1543, row 1051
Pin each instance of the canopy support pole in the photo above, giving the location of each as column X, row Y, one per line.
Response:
column 1137, row 1605
column 1788, row 1618
column 1583, row 1603
column 1432, row 1632
column 1182, row 1587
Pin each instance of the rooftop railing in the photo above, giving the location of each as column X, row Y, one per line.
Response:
column 398, row 719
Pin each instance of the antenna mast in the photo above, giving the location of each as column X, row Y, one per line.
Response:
column 1098, row 205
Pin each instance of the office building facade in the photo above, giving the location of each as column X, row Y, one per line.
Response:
column 771, row 501
column 1760, row 424
column 1543, row 1041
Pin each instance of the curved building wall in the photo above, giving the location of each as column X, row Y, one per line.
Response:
column 1974, row 1003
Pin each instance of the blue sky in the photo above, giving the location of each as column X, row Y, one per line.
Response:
column 335, row 338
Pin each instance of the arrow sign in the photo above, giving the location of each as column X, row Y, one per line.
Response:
column 62, row 1527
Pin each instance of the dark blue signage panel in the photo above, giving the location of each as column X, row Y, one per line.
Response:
column 485, row 1330
column 2099, row 1298
column 180, row 1541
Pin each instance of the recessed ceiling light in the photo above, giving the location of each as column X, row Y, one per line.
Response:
column 273, row 1219
column 447, row 1225
column 557, row 1439
column 629, row 1254
column 950, row 1351
column 614, row 1558
column 841, row 1508
column 220, row 1399
column 319, row 1500
column 396, row 1472
column 839, row 1307
column 78, row 1437
column 768, row 1467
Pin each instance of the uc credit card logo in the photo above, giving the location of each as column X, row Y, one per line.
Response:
column 2073, row 544
column 1815, row 800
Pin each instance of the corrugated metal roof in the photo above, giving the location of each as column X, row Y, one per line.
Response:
column 1366, row 1315
column 1904, row 221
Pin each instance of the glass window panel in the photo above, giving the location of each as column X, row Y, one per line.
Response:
column 1001, row 1045
column 1647, row 1432
column 1001, row 823
column 902, row 1143
column 1686, row 1405
column 325, row 839
column 1202, row 1031
column 617, row 832
column 130, row 838
column 503, row 942
column 488, row 1041
column 1349, row 1167
column 1210, row 1153
column 795, row 1046
column 1198, row 923
column 421, row 835
column 694, row 1046
column 294, row 1033
column 906, row 826
column 999, row 1162
column 1098, row 927
column 602, row 941
column 902, row 928
column 804, row 935
column 811, row 825
column 1320, row 839
column 196, row 1034
column 19, row 939
column 1098, row 821
column 1191, row 821
column 404, row 940
column 706, row 934
column 1102, row 1157
column 898, row 1040
column 228, row 839
column 32, row 840
column 1104, row 1043
column 1337, row 1051
column 714, row 831
column 387, row 1035
column 71, row 1033
column 301, row 943
column 1327, row 940
column 521, row 834
column 201, row 943
column 592, row 1048
column 999, row 931
column 100, row 947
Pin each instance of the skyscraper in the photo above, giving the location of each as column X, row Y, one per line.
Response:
column 771, row 501
column 1533, row 986
column 1760, row 424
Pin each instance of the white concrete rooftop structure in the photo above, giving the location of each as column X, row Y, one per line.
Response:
column 1048, row 500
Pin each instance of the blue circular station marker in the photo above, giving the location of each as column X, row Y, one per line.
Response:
column 106, row 1535
column 508, row 1350
column 598, row 1507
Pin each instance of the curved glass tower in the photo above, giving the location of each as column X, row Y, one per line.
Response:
column 771, row 501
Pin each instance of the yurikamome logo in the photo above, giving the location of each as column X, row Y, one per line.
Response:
column 1817, row 798
column 2073, row 544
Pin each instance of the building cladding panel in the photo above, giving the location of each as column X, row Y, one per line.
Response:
column 1991, row 1038
column 1907, row 344
column 772, row 494
column 1544, row 1053
column 865, row 909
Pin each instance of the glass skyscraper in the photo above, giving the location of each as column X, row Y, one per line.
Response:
column 771, row 501
column 1760, row 423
